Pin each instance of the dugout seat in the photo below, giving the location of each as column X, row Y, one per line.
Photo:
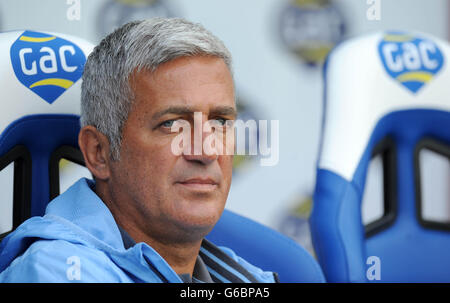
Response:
column 39, row 123
column 386, row 94
column 266, row 248
column 40, row 90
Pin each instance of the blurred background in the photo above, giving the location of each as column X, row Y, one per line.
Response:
column 278, row 48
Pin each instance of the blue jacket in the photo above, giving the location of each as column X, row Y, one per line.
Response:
column 78, row 240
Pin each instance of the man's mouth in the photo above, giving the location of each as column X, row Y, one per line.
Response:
column 199, row 184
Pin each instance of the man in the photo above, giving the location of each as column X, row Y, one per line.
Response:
column 145, row 215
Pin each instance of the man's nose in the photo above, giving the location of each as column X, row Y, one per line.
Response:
column 199, row 151
column 202, row 158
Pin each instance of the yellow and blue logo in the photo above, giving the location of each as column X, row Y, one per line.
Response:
column 46, row 64
column 412, row 61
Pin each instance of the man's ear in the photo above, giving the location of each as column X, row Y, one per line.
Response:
column 95, row 148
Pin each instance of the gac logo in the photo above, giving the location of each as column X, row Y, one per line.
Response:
column 46, row 64
column 412, row 61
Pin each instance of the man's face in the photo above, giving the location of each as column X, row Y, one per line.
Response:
column 174, row 196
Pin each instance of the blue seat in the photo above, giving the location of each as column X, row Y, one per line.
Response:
column 266, row 248
column 40, row 90
column 386, row 94
column 41, row 125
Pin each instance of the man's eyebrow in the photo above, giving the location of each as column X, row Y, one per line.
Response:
column 224, row 110
column 177, row 110
column 186, row 110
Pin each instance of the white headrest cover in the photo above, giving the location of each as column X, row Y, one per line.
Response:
column 371, row 76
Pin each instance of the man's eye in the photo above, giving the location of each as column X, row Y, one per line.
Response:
column 223, row 122
column 168, row 123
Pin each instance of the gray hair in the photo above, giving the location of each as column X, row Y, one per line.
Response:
column 106, row 95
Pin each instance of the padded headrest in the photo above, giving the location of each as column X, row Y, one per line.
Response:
column 40, row 73
column 372, row 76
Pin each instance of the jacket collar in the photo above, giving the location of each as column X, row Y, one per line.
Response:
column 81, row 206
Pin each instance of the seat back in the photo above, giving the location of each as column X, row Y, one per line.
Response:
column 386, row 93
column 266, row 248
column 40, row 76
